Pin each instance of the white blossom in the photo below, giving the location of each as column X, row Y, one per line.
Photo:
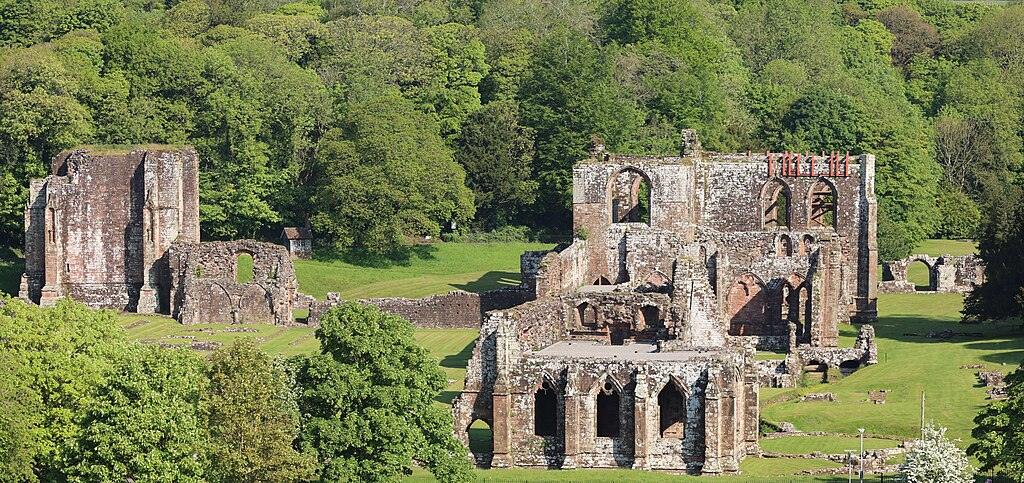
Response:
column 935, row 459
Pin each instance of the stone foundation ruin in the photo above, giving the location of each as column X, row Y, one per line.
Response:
column 637, row 348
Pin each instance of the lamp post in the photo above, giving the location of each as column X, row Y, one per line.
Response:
column 861, row 431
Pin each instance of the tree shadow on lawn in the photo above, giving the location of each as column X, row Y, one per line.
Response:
column 922, row 329
column 1008, row 352
column 400, row 256
column 461, row 359
column 12, row 265
column 490, row 281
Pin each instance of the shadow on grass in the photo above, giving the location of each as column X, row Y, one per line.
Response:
column 1011, row 352
column 401, row 256
column 925, row 329
column 490, row 281
column 446, row 397
column 12, row 265
column 461, row 359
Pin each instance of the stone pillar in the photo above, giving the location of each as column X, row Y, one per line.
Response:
column 712, row 432
column 867, row 283
column 53, row 264
column 571, row 426
column 751, row 418
column 500, row 428
column 641, row 425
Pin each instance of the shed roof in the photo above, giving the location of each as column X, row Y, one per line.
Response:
column 296, row 233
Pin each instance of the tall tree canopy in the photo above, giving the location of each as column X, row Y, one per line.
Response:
column 367, row 400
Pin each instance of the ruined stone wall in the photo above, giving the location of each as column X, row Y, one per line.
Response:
column 455, row 309
column 947, row 273
column 98, row 228
column 206, row 289
column 733, row 191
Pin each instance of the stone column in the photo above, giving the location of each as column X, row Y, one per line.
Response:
column 571, row 426
column 53, row 259
column 641, row 426
column 500, row 428
column 712, row 431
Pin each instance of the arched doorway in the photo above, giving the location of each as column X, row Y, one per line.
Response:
column 671, row 412
column 481, row 442
column 919, row 273
column 545, row 410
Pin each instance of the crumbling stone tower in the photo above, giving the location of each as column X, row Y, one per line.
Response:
column 638, row 348
column 98, row 228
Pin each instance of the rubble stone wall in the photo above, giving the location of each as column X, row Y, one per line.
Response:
column 206, row 289
column 946, row 273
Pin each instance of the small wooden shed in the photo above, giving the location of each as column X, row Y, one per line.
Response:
column 299, row 241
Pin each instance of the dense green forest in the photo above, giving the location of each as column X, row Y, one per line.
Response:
column 381, row 121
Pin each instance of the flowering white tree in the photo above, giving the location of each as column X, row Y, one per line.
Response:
column 935, row 459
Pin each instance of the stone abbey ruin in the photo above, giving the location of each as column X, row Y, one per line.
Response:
column 633, row 346
column 638, row 347
column 119, row 228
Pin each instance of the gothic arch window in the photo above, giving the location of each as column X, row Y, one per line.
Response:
column 747, row 307
column 608, row 424
column 671, row 411
column 631, row 197
column 775, row 204
column 545, row 409
column 821, row 203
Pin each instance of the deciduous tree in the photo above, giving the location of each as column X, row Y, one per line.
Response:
column 367, row 400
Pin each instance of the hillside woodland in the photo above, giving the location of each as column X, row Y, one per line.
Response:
column 380, row 122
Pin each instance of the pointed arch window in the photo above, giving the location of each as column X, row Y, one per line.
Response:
column 775, row 204
column 822, row 200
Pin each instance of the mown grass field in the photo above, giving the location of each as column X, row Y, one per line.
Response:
column 430, row 269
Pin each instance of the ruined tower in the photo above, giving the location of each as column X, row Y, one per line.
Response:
column 99, row 227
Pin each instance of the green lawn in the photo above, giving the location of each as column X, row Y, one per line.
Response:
column 937, row 248
column 909, row 364
column 431, row 269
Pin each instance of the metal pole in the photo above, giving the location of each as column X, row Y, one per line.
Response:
column 861, row 454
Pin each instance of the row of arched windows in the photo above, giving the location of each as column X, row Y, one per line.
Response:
column 608, row 424
column 777, row 204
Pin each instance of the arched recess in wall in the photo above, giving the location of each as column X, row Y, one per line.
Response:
column 776, row 204
column 607, row 404
column 672, row 411
column 784, row 246
column 822, row 199
column 806, row 245
column 747, row 306
column 545, row 409
column 921, row 274
column 244, row 267
column 586, row 316
column 796, row 306
column 630, row 194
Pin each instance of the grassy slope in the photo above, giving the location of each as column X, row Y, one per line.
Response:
column 433, row 269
